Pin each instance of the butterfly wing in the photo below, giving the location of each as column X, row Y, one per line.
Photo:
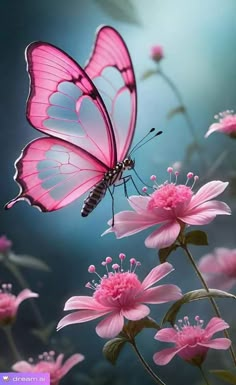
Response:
column 111, row 69
column 52, row 173
column 63, row 102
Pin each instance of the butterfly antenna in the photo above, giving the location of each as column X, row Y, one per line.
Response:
column 137, row 144
column 141, row 143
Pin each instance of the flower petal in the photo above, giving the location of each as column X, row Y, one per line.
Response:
column 166, row 335
column 68, row 364
column 217, row 343
column 209, row 264
column 139, row 203
column 129, row 222
column 22, row 366
column 25, row 294
column 215, row 325
column 165, row 356
column 59, row 360
column 161, row 294
column 209, row 191
column 219, row 281
column 214, row 127
column 111, row 326
column 79, row 317
column 83, row 302
column 164, row 236
column 205, row 213
column 136, row 313
column 156, row 274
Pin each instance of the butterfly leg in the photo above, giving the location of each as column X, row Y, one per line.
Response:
column 125, row 179
column 113, row 203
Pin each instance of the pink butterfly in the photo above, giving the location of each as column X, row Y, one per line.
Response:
column 89, row 134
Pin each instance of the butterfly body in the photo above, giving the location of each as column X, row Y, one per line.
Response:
column 89, row 127
column 111, row 178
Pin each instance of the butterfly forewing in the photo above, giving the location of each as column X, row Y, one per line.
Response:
column 58, row 91
column 118, row 90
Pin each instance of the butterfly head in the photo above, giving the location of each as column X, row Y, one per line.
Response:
column 128, row 163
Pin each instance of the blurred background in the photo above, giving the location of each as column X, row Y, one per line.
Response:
column 198, row 40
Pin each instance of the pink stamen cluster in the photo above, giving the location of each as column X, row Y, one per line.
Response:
column 189, row 334
column 169, row 195
column 115, row 283
column 45, row 357
column 6, row 288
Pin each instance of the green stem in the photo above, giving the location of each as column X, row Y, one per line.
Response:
column 146, row 366
column 181, row 102
column 11, row 342
column 24, row 284
column 213, row 302
column 204, row 376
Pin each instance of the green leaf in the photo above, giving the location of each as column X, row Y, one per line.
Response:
column 194, row 295
column 132, row 328
column 196, row 237
column 122, row 10
column 164, row 253
column 175, row 111
column 225, row 375
column 112, row 349
column 45, row 333
column 28, row 261
column 147, row 74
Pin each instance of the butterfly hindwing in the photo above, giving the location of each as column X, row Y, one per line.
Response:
column 53, row 173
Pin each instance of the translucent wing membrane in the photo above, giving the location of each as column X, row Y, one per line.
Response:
column 111, row 69
column 52, row 173
column 63, row 102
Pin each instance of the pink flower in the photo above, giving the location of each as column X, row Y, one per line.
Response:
column 219, row 268
column 172, row 206
column 9, row 303
column 156, row 53
column 227, row 124
column 5, row 244
column 191, row 342
column 48, row 364
column 118, row 295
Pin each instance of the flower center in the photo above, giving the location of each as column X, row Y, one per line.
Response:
column 188, row 334
column 169, row 196
column 117, row 286
column 46, row 363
